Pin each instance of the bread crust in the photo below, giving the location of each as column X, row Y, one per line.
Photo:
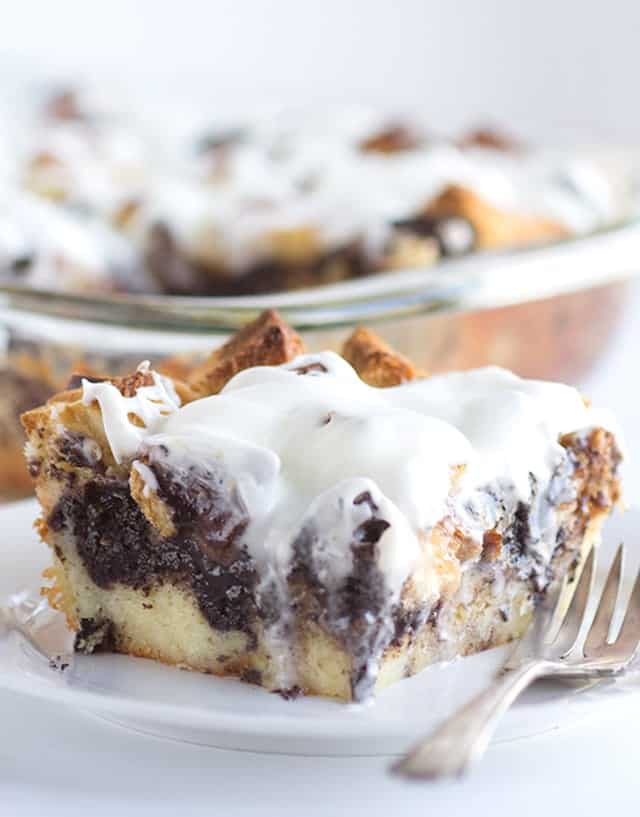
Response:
column 267, row 341
column 376, row 362
column 494, row 228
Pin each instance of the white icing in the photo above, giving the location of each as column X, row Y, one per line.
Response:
column 61, row 248
column 96, row 166
column 298, row 449
column 289, row 170
column 513, row 424
column 148, row 477
column 91, row 450
column 325, row 182
column 150, row 404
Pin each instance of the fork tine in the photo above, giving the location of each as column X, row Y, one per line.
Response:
column 629, row 636
column 599, row 631
column 557, row 612
column 570, row 626
column 542, row 625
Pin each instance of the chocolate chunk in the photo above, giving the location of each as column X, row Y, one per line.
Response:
column 215, row 140
column 252, row 676
column 290, row 693
column 518, row 535
column 435, row 611
column 205, row 504
column 95, row 636
column 113, row 537
column 58, row 664
column 175, row 273
column 21, row 264
column 370, row 532
column 406, row 623
column 118, row 545
column 365, row 498
column 78, row 450
column 454, row 234
column 311, row 367
column 75, row 381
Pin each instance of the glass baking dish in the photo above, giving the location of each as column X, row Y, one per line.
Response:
column 545, row 312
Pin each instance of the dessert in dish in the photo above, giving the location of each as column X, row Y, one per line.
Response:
column 95, row 202
column 283, row 203
column 314, row 523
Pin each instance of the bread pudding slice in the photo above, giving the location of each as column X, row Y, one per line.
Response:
column 314, row 523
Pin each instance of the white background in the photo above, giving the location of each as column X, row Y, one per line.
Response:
column 551, row 70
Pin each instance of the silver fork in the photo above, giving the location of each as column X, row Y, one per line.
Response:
column 464, row 737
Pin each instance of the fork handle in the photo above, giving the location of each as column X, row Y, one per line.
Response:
column 464, row 737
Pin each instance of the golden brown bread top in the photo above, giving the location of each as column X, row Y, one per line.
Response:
column 267, row 341
column 127, row 385
column 490, row 138
column 394, row 138
column 68, row 410
column 494, row 228
column 375, row 361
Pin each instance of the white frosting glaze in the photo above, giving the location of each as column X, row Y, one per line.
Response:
column 94, row 165
column 346, row 194
column 150, row 404
column 298, row 449
column 60, row 248
column 296, row 170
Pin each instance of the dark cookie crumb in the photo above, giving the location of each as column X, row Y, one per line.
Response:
column 58, row 664
column 453, row 234
column 117, row 545
column 311, row 367
column 251, row 676
column 95, row 636
column 34, row 466
column 78, row 450
column 75, row 381
column 290, row 693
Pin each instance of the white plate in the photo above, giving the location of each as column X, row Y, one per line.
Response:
column 168, row 702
